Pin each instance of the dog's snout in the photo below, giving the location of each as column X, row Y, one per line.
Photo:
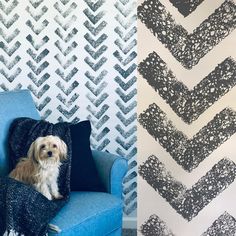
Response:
column 49, row 153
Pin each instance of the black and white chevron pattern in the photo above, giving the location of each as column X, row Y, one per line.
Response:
column 78, row 59
column 188, row 123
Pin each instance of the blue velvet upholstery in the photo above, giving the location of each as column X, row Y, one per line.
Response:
column 86, row 213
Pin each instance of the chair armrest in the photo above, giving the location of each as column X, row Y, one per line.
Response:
column 111, row 169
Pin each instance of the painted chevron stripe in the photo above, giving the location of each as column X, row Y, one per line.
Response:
column 95, row 30
column 126, row 144
column 94, row 6
column 37, row 30
column 67, row 77
column 126, row 133
column 94, row 18
column 37, row 45
column 65, row 101
column 125, row 36
column 100, row 123
column 35, row 3
column 127, row 22
column 10, row 51
column 128, row 155
column 95, row 54
column 127, row 60
column 126, row 97
column 5, row 88
column 8, row 9
column 41, row 92
column 37, row 58
column 130, row 177
column 101, row 135
column 64, row 12
column 96, row 66
column 65, row 25
column 69, row 89
column 64, row 2
column 8, row 37
column 68, row 49
column 66, row 37
column 37, row 15
column 98, row 79
column 125, row 10
column 11, row 77
column 100, row 113
column 43, row 104
column 10, row 22
column 187, row 6
column 36, row 81
column 125, row 73
column 67, row 63
column 188, row 104
column 95, row 43
column 126, row 109
column 189, row 153
column 68, row 113
column 97, row 102
column 123, row 85
column 10, row 64
column 37, row 69
column 126, row 49
column 188, row 48
column 94, row 90
column 126, row 121
column 188, row 202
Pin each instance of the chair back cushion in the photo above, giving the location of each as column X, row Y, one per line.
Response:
column 13, row 104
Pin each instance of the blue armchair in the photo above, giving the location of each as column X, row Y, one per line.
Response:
column 86, row 213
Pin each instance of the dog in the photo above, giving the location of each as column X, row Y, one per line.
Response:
column 41, row 166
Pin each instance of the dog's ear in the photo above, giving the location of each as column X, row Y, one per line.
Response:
column 31, row 152
column 63, row 150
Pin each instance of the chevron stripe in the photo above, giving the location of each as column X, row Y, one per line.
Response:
column 36, row 81
column 128, row 155
column 95, row 43
column 37, row 69
column 37, row 16
column 10, row 22
column 35, row 3
column 37, row 30
column 9, row 37
column 127, row 60
column 67, row 24
column 10, row 64
column 95, row 30
column 178, row 196
column 10, row 51
column 126, row 145
column 68, row 113
column 94, row 6
column 66, row 38
column 189, row 105
column 189, row 153
column 98, row 79
column 69, row 89
column 125, row 109
column 123, row 85
column 66, row 12
column 65, row 101
column 37, row 58
column 5, row 88
column 94, row 18
column 11, row 77
column 187, row 6
column 125, row 11
column 36, row 45
column 126, row 121
column 127, row 22
column 96, row 66
column 8, row 9
column 181, row 44
column 67, row 77
column 67, row 63
column 125, row 36
column 41, row 92
column 43, row 104
column 67, row 50
column 125, row 73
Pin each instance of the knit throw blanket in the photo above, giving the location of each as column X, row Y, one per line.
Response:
column 23, row 210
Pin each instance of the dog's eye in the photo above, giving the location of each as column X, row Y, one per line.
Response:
column 42, row 146
column 54, row 145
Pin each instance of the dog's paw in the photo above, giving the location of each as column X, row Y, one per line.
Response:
column 58, row 196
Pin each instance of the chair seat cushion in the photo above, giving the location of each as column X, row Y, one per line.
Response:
column 89, row 213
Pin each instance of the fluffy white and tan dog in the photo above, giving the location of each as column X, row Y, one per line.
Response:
column 41, row 166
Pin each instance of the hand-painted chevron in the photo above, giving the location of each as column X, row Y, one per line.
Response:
column 11, row 77
column 188, row 104
column 189, row 153
column 224, row 225
column 155, row 226
column 188, row 48
column 188, row 202
column 187, row 6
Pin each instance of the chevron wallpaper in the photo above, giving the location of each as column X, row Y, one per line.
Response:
column 78, row 58
column 186, row 117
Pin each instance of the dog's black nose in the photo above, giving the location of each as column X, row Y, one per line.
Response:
column 49, row 153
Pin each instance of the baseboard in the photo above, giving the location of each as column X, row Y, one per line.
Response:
column 129, row 222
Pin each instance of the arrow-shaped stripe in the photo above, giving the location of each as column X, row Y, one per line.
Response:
column 94, row 90
column 94, row 6
column 35, row 3
column 69, row 89
column 123, row 85
column 125, row 49
column 37, row 30
column 66, row 64
column 125, row 36
column 37, row 16
column 36, row 45
column 130, row 177
column 10, row 64
column 66, row 113
column 188, row 48
column 41, row 92
column 131, row 198
column 95, row 30
column 125, row 11
column 10, row 22
column 10, row 78
column 126, row 97
column 64, row 2
column 125, row 109
column 126, row 133
column 98, row 79
column 95, row 66
column 95, row 54
column 37, row 58
column 188, row 202
column 101, row 135
column 97, row 101
column 187, row 6
column 8, row 9
column 43, row 104
column 94, row 18
column 125, row 73
column 188, row 104
column 37, row 69
column 189, row 153
column 5, row 88
column 126, row 145
column 36, row 81
column 68, row 50
column 8, row 38
column 127, row 22
column 66, row 25
column 73, row 121
column 100, row 123
column 126, row 121
column 65, row 100
column 95, row 43
column 100, row 113
column 67, row 77
column 66, row 38
column 129, row 155
column 130, row 188
column 127, row 60
column 10, row 51
column 66, row 12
